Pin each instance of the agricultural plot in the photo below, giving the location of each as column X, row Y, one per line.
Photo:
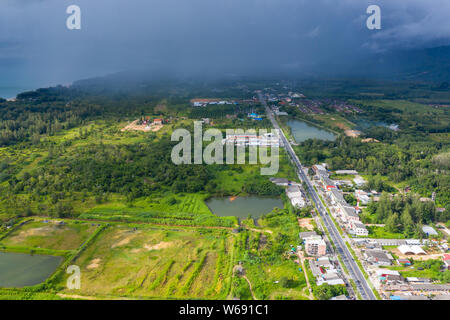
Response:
column 172, row 209
column 149, row 262
column 49, row 235
column 265, row 264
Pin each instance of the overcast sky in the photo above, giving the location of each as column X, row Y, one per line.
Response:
column 211, row 36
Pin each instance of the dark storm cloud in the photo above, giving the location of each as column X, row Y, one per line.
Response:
column 206, row 36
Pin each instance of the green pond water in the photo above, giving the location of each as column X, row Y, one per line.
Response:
column 242, row 207
column 302, row 131
column 20, row 270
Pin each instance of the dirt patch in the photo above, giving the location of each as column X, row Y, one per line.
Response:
column 159, row 246
column 262, row 242
column 75, row 296
column 352, row 133
column 370, row 140
column 156, row 127
column 306, row 223
column 134, row 126
column 417, row 256
column 122, row 242
column 341, row 125
column 41, row 231
column 95, row 263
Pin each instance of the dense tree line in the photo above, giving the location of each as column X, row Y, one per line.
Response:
column 412, row 160
column 405, row 214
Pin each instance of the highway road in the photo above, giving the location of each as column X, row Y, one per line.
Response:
column 354, row 271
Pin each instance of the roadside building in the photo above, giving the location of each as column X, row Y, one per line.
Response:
column 359, row 229
column 337, row 197
column 295, row 195
column 378, row 257
column 320, row 170
column 348, row 214
column 315, row 246
column 328, row 183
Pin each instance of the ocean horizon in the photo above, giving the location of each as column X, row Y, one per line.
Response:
column 12, row 92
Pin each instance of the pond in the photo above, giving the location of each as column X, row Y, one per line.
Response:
column 20, row 270
column 302, row 131
column 242, row 207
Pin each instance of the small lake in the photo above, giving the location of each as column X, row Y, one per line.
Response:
column 20, row 270
column 242, row 207
column 302, row 131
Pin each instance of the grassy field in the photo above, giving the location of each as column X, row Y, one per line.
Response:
column 175, row 209
column 50, row 235
column 412, row 271
column 150, row 262
column 381, row 233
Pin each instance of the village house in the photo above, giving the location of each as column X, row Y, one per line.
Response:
column 158, row 121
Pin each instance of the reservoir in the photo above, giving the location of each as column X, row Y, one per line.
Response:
column 302, row 131
column 242, row 207
column 20, row 270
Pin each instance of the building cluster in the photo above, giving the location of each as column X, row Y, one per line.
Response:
column 248, row 139
column 293, row 191
column 206, row 102
column 325, row 272
column 276, row 111
column 255, row 116
column 148, row 122
column 411, row 288
column 345, row 213
column 378, row 257
column 323, row 269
